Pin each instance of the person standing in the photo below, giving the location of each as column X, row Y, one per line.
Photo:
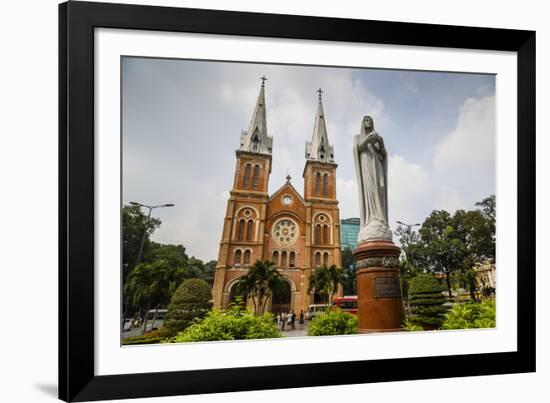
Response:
column 292, row 320
column 283, row 320
column 289, row 320
column 301, row 321
column 278, row 319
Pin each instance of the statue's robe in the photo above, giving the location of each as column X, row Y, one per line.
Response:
column 371, row 167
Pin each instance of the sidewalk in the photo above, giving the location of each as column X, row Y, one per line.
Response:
column 296, row 333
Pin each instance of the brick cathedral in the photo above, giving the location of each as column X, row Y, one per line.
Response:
column 296, row 232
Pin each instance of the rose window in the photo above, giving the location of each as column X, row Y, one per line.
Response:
column 285, row 232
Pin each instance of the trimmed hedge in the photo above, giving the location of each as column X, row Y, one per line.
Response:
column 191, row 301
column 152, row 337
column 426, row 302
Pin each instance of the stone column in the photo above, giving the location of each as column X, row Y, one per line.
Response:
column 379, row 299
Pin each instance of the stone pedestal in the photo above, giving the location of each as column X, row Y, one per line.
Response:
column 379, row 299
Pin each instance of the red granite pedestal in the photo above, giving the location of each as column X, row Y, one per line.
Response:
column 379, row 298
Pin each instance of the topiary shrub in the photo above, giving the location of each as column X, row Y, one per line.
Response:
column 471, row 316
column 426, row 302
column 235, row 323
column 191, row 301
column 333, row 323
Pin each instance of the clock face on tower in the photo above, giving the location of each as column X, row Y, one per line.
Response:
column 285, row 232
column 287, row 200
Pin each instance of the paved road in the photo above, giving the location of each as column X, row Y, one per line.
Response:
column 296, row 333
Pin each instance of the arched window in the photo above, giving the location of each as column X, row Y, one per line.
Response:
column 255, row 140
column 249, row 230
column 325, row 258
column 237, row 259
column 275, row 258
column 318, row 184
column 256, row 177
column 325, row 234
column 246, row 260
column 240, row 231
column 325, row 185
column 283, row 260
column 292, row 259
column 318, row 259
column 317, row 239
column 246, row 179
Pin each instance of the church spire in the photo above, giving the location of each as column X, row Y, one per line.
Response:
column 319, row 149
column 256, row 139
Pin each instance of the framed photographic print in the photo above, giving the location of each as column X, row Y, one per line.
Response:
column 258, row 201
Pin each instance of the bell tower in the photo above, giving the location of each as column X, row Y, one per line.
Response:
column 242, row 240
column 323, row 217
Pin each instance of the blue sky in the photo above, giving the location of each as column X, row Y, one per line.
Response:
column 182, row 121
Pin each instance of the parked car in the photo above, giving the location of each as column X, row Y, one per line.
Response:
column 314, row 310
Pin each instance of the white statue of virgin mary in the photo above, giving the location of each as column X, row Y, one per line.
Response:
column 371, row 164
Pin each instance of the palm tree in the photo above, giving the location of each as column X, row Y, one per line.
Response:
column 259, row 283
column 139, row 289
column 149, row 284
column 325, row 281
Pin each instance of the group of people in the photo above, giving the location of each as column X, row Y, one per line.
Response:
column 287, row 321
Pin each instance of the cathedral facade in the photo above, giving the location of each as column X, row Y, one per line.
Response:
column 297, row 232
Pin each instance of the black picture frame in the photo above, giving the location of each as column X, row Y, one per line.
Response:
column 77, row 21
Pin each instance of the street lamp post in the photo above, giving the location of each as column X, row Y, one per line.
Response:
column 146, row 224
column 140, row 253
column 409, row 228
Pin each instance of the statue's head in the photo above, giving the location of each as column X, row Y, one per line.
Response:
column 368, row 124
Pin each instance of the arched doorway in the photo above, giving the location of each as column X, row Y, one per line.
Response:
column 234, row 293
column 281, row 299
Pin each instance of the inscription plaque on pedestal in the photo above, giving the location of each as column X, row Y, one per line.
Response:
column 387, row 287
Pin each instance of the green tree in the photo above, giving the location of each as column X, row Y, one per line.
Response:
column 134, row 224
column 259, row 283
column 174, row 255
column 150, row 285
column 209, row 272
column 411, row 256
column 441, row 251
column 191, row 301
column 476, row 231
column 488, row 206
column 325, row 281
column 426, row 302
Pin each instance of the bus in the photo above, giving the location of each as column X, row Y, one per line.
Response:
column 346, row 304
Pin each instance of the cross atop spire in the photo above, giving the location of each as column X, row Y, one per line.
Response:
column 256, row 139
column 319, row 148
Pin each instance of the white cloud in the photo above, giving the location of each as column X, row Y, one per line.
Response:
column 449, row 199
column 348, row 198
column 409, row 191
column 464, row 160
column 470, row 147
